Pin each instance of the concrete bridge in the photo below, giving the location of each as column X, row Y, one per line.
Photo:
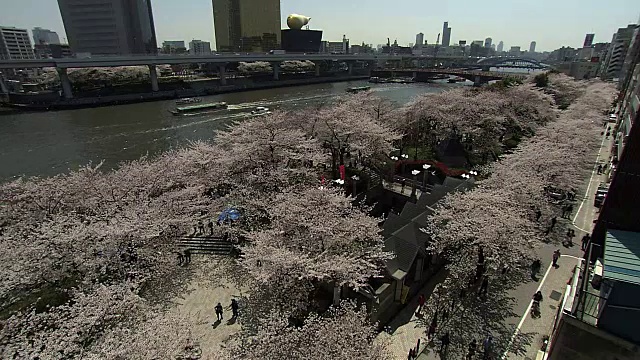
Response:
column 478, row 77
column 223, row 60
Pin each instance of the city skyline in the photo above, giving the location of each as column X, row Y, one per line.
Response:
column 175, row 21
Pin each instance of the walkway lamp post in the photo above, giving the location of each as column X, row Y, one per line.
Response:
column 413, row 187
column 355, row 179
column 393, row 168
column 425, row 167
column 404, row 157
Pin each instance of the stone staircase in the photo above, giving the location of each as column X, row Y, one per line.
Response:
column 210, row 245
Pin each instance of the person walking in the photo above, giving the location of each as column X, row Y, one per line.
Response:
column 484, row 287
column 412, row 354
column 444, row 344
column 599, row 169
column 585, row 241
column 421, row 301
column 219, row 310
column 556, row 256
column 538, row 215
column 487, row 345
column 187, row 256
column 210, row 226
column 565, row 208
column 234, row 308
column 200, row 227
column 472, row 349
column 569, row 210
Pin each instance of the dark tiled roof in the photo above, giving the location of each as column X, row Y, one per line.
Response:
column 403, row 233
column 393, row 223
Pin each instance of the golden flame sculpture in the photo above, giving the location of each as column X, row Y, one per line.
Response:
column 296, row 22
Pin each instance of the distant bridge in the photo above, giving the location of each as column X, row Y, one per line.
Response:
column 508, row 62
column 478, row 77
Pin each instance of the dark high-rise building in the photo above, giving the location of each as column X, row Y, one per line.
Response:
column 446, row 34
column 246, row 25
column 305, row 41
column 588, row 40
column 109, row 27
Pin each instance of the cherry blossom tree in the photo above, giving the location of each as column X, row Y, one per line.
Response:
column 254, row 67
column 340, row 333
column 356, row 124
column 297, row 65
column 268, row 154
column 492, row 227
column 315, row 235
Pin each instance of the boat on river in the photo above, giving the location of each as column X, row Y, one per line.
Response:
column 357, row 89
column 187, row 101
column 261, row 110
column 200, row 107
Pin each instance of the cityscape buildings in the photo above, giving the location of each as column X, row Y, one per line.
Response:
column 588, row 40
column 246, row 25
column 46, row 51
column 446, row 34
column 532, row 47
column 614, row 60
column 44, row 36
column 419, row 41
column 109, row 27
column 173, row 47
column 15, row 43
column 487, row 42
column 500, row 47
column 515, row 50
column 199, row 47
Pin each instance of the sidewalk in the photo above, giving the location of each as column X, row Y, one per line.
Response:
column 553, row 286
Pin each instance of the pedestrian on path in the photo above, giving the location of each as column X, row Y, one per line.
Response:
column 487, row 345
column 554, row 220
column 210, row 226
column 484, row 287
column 535, row 269
column 187, row 256
column 421, row 301
column 219, row 310
column 432, row 328
column 412, row 354
column 556, row 256
column 570, row 235
column 234, row 308
column 444, row 344
column 585, row 241
column 472, row 349
column 599, row 169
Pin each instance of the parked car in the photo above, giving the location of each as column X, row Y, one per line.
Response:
column 601, row 194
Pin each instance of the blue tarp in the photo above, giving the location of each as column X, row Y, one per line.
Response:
column 229, row 214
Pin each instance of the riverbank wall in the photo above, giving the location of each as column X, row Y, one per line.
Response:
column 52, row 100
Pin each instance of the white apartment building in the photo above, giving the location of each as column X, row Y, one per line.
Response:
column 15, row 44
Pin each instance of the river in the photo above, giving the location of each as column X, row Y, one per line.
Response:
column 49, row 143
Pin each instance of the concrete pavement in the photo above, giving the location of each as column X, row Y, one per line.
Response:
column 553, row 286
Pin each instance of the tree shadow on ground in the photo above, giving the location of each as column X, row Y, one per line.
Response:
column 475, row 317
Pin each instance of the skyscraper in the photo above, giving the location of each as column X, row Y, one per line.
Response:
column 109, row 27
column 15, row 44
column 246, row 25
column 500, row 46
column 44, row 36
column 446, row 34
column 532, row 47
column 419, row 40
column 588, row 40
column 487, row 42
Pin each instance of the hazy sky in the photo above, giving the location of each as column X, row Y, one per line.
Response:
column 551, row 23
